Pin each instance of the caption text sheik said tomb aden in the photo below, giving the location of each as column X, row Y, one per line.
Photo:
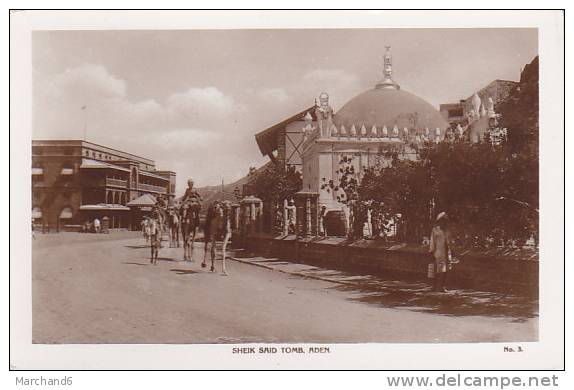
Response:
column 280, row 350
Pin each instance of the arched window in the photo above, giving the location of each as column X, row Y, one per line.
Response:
column 66, row 213
column 110, row 199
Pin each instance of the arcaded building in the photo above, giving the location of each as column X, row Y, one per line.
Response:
column 76, row 181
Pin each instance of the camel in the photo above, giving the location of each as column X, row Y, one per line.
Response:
column 217, row 224
column 189, row 220
column 173, row 222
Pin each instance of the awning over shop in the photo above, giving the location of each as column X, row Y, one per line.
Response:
column 37, row 171
column 36, row 212
column 104, row 206
column 88, row 163
column 146, row 200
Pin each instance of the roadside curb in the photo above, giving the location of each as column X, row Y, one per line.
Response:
column 293, row 273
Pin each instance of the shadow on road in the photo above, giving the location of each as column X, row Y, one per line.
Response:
column 184, row 271
column 136, row 246
column 168, row 259
column 417, row 297
column 131, row 263
column 396, row 290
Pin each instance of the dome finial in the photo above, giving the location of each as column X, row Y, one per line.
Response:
column 388, row 81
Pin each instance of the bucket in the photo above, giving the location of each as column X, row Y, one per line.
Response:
column 430, row 271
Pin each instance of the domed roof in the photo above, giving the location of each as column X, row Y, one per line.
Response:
column 389, row 107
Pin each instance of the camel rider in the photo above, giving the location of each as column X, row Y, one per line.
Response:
column 161, row 203
column 192, row 200
column 191, row 196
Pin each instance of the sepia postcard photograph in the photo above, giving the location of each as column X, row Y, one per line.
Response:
column 254, row 190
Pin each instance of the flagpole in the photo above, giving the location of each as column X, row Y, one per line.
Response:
column 85, row 109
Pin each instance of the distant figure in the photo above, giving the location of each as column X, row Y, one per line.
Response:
column 97, row 227
column 145, row 229
column 291, row 217
column 155, row 239
column 158, row 216
column 161, row 202
column 322, row 231
column 440, row 246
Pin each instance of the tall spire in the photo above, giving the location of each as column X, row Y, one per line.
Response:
column 387, row 82
column 388, row 70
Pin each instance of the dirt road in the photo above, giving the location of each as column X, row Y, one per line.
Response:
column 91, row 288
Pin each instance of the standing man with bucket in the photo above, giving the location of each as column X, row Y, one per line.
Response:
column 441, row 249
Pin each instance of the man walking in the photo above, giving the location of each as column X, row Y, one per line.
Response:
column 440, row 246
column 97, row 226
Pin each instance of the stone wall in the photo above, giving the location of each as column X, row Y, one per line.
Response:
column 497, row 269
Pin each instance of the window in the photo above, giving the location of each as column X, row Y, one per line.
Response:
column 36, row 212
column 455, row 112
column 66, row 213
column 67, row 169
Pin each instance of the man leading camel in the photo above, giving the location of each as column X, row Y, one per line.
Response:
column 189, row 219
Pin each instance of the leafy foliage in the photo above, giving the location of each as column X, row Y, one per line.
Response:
column 274, row 184
column 490, row 193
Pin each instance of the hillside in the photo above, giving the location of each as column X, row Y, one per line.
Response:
column 211, row 193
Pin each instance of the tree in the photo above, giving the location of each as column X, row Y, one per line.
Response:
column 274, row 184
column 477, row 184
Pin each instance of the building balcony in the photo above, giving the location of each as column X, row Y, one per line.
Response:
column 107, row 182
column 116, row 183
column 152, row 188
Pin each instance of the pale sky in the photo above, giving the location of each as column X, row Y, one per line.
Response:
column 193, row 100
